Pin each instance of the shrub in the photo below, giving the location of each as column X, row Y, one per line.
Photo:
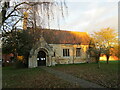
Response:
column 19, row 64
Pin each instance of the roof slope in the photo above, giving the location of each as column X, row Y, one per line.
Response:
column 65, row 37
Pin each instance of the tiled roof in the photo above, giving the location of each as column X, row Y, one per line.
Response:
column 65, row 37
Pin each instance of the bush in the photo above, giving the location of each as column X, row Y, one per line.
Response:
column 19, row 64
column 5, row 64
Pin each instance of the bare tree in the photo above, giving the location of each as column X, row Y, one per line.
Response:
column 39, row 13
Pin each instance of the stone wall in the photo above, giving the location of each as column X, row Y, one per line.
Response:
column 60, row 59
column 50, row 49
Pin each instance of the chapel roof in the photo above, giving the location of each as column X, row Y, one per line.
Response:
column 65, row 37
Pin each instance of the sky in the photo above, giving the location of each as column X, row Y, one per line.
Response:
column 89, row 15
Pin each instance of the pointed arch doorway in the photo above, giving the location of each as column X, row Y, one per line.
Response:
column 41, row 58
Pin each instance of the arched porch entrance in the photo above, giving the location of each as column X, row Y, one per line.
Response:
column 41, row 58
column 41, row 54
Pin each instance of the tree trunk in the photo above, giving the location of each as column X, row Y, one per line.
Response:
column 98, row 64
column 97, row 58
column 107, row 58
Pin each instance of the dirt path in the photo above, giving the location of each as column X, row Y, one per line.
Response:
column 71, row 79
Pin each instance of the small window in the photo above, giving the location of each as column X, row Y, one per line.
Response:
column 66, row 52
column 78, row 52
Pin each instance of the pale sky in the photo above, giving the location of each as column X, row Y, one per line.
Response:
column 90, row 15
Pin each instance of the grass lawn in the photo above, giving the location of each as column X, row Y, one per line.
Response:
column 106, row 76
column 32, row 78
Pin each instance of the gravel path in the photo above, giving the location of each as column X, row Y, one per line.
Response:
column 83, row 83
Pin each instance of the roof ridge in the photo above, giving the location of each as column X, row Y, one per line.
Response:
column 63, row 30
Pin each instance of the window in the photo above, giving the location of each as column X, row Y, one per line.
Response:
column 54, row 54
column 66, row 52
column 78, row 52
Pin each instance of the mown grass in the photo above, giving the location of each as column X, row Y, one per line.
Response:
column 32, row 78
column 106, row 75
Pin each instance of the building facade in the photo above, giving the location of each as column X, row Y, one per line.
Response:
column 59, row 47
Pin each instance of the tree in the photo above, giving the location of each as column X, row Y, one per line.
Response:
column 39, row 13
column 115, row 50
column 105, row 39
column 19, row 43
column 107, row 53
column 33, row 15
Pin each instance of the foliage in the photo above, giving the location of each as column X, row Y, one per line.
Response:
column 93, row 51
column 105, row 37
column 19, row 64
column 104, row 40
column 116, row 50
column 33, row 15
column 17, row 42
